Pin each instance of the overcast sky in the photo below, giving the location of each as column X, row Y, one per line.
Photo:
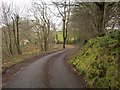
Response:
column 23, row 6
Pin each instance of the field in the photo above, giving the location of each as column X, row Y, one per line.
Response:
column 60, row 36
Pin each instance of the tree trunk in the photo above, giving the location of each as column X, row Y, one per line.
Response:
column 14, row 35
column 57, row 39
column 40, row 43
column 48, row 34
column 64, row 27
column 101, row 18
column 10, row 40
column 45, row 38
column 6, row 42
column 18, row 42
column 64, row 37
column 45, row 44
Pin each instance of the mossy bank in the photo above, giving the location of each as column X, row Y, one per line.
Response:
column 97, row 61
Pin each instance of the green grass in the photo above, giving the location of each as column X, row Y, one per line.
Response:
column 60, row 36
column 97, row 62
column 28, row 51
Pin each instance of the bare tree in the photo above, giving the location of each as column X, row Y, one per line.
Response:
column 16, row 33
column 104, row 15
column 91, row 18
column 65, row 18
column 41, row 16
column 11, row 20
column 6, row 11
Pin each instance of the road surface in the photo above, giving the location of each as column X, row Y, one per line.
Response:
column 49, row 71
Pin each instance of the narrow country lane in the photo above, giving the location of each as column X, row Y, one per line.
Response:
column 49, row 71
column 60, row 75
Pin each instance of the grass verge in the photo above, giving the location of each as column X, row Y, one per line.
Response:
column 29, row 51
column 98, row 62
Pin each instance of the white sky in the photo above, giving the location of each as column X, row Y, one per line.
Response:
column 23, row 6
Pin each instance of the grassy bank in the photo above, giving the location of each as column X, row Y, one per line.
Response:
column 97, row 61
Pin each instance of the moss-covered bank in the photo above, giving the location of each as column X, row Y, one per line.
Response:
column 98, row 61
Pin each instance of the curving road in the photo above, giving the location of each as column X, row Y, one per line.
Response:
column 49, row 71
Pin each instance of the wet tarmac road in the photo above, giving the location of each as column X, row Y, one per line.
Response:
column 49, row 71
